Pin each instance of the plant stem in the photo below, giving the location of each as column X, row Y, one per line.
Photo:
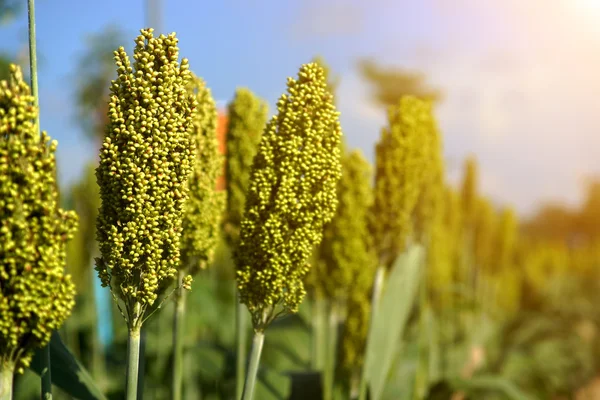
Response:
column 46, row 374
column 133, row 362
column 180, row 298
column 241, row 328
column 33, row 60
column 319, row 334
column 6, row 381
column 355, row 384
column 257, row 345
column 332, row 336
column 376, row 297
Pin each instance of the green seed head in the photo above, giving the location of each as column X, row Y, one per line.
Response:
column 292, row 195
column 247, row 117
column 346, row 247
column 469, row 192
column 145, row 161
column 400, row 164
column 205, row 204
column 35, row 294
column 428, row 210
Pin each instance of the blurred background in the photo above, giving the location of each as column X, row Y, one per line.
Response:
column 515, row 87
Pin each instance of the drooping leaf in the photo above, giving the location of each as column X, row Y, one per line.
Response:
column 67, row 373
column 397, row 300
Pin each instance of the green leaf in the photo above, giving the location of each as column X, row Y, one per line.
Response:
column 397, row 300
column 67, row 373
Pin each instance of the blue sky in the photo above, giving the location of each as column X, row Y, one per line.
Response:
column 520, row 77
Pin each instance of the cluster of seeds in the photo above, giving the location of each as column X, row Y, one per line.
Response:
column 346, row 248
column 35, row 294
column 205, row 204
column 145, row 161
column 292, row 195
column 247, row 116
column 401, row 159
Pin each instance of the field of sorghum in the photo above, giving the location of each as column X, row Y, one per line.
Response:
column 309, row 275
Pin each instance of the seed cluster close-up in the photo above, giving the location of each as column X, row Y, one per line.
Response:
column 400, row 164
column 247, row 116
column 36, row 296
column 204, row 207
column 145, row 162
column 292, row 195
column 346, row 248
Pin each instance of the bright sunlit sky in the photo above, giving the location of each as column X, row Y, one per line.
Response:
column 521, row 77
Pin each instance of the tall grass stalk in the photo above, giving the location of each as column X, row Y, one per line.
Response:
column 178, row 319
column 6, row 381
column 257, row 345
column 331, row 355
column 133, row 356
column 46, row 370
column 375, row 299
column 422, row 372
column 319, row 334
column 241, row 331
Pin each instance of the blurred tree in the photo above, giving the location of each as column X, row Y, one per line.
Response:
column 95, row 69
column 9, row 9
column 588, row 220
column 552, row 222
column 389, row 84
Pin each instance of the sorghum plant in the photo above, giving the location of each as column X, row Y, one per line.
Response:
column 401, row 158
column 345, row 252
column 146, row 159
column 400, row 165
column 202, row 216
column 292, row 195
column 247, row 116
column 36, row 296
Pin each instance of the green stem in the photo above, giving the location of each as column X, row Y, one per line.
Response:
column 257, row 345
column 241, row 327
column 33, row 60
column 46, row 378
column 180, row 298
column 319, row 334
column 355, row 385
column 98, row 369
column 133, row 362
column 46, row 374
column 376, row 297
column 332, row 337
column 6, row 381
column 421, row 375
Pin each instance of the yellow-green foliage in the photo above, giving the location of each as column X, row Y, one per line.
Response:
column 428, row 210
column 400, row 166
column 469, row 191
column 504, row 250
column 356, row 324
column 443, row 253
column 346, row 248
column 145, row 161
column 205, row 204
column 484, row 237
column 247, row 117
column 543, row 263
column 35, row 294
column 292, row 195
column 86, row 201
